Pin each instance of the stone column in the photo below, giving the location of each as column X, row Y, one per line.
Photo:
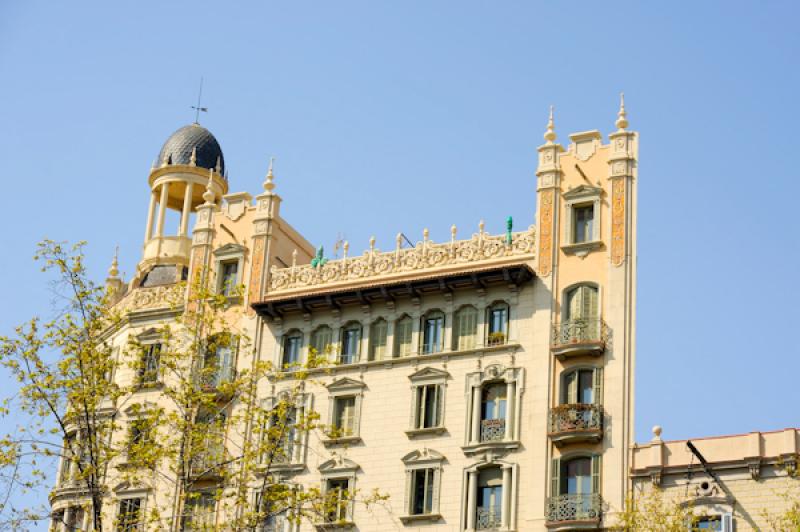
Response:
column 510, row 407
column 151, row 211
column 472, row 499
column 187, row 209
column 475, row 432
column 162, row 208
column 505, row 516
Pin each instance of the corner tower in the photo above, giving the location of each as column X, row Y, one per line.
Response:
column 587, row 260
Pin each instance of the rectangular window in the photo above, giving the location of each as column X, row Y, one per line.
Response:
column 337, row 498
column 402, row 337
column 199, row 512
column 466, row 328
column 138, row 437
column 229, row 278
column 428, row 402
column 432, row 334
column 708, row 523
column 344, row 415
column 148, row 371
column 498, row 325
column 321, row 340
column 129, row 517
column 422, row 487
column 582, row 224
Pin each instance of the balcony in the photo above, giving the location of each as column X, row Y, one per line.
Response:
column 488, row 518
column 214, row 379
column 493, row 430
column 576, row 423
column 579, row 337
column 574, row 512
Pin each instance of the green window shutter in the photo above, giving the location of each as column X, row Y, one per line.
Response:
column 575, row 303
column 598, row 386
column 589, row 302
column 572, row 388
column 555, row 475
column 596, row 461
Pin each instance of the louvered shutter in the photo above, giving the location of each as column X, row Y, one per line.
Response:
column 439, row 405
column 572, row 388
column 409, row 491
column 555, row 476
column 437, row 480
column 598, row 386
column 576, row 303
column 355, row 414
column 596, row 460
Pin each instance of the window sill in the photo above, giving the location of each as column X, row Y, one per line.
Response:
column 342, row 525
column 148, row 386
column 476, row 448
column 345, row 440
column 581, row 249
column 420, row 517
column 263, row 469
column 411, row 433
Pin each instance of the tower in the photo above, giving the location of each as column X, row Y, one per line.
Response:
column 189, row 161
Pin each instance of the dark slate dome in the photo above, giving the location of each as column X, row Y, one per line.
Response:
column 178, row 148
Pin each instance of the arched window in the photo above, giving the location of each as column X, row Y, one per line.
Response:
column 465, row 328
column 351, row 343
column 321, row 340
column 432, row 332
column 292, row 343
column 582, row 316
column 377, row 339
column 497, row 324
column 402, row 336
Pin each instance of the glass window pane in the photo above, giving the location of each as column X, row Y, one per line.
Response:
column 585, row 386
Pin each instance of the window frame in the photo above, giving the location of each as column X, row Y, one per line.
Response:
column 465, row 341
column 490, row 310
column 125, row 526
column 204, row 495
column 227, row 254
column 339, row 389
column 577, row 198
column 512, row 377
column 400, row 341
column 379, row 325
column 428, row 347
column 427, row 460
column 292, row 334
column 339, row 468
column 302, row 406
column 314, row 340
column 354, row 357
column 420, row 379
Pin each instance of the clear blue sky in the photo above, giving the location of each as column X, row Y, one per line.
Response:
column 396, row 116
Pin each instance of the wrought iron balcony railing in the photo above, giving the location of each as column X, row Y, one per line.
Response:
column 574, row 507
column 493, row 429
column 575, row 417
column 213, row 378
column 579, row 330
column 488, row 518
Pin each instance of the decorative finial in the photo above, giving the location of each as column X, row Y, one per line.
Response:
column 218, row 168
column 345, row 249
column 113, row 271
column 481, row 226
column 509, row 226
column 425, row 234
column 193, row 158
column 657, row 433
column 550, row 134
column 268, row 184
column 208, row 195
column 372, row 244
column 399, row 240
column 622, row 117
column 294, row 258
column 453, row 230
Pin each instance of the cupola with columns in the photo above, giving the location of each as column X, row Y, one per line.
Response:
column 190, row 161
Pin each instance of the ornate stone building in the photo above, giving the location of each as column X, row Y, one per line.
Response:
column 483, row 383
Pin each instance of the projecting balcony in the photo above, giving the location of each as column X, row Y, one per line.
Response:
column 574, row 512
column 579, row 337
column 215, row 379
column 576, row 423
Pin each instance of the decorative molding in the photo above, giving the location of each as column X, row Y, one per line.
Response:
column 618, row 222
column 157, row 297
column 425, row 255
column 547, row 198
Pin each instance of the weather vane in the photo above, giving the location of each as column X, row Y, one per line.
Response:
column 197, row 107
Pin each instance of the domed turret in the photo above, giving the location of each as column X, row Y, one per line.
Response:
column 193, row 145
column 190, row 162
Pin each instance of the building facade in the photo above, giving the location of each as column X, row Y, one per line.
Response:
column 743, row 482
column 482, row 383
